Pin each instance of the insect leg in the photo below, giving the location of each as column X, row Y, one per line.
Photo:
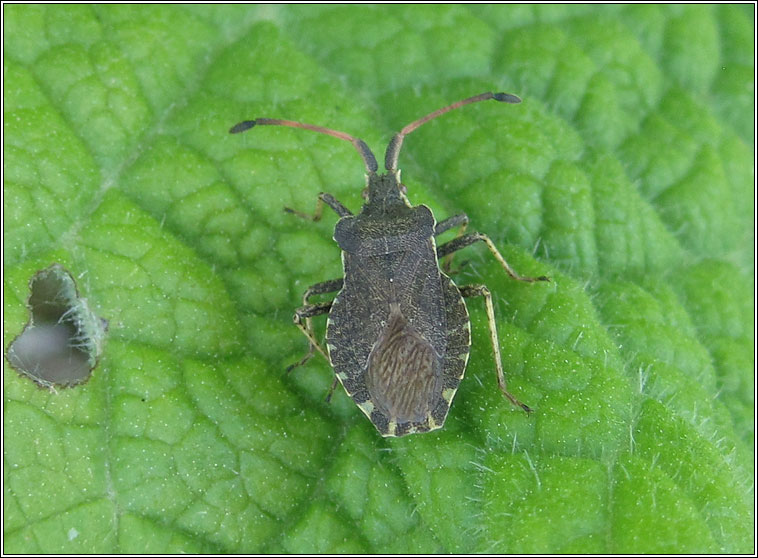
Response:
column 321, row 288
column 306, row 312
column 460, row 220
column 323, row 198
column 304, row 322
column 302, row 319
column 481, row 290
column 469, row 239
column 331, row 390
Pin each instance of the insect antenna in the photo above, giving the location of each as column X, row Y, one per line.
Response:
column 368, row 157
column 393, row 149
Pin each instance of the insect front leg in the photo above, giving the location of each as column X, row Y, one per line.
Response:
column 468, row 239
column 323, row 198
column 482, row 290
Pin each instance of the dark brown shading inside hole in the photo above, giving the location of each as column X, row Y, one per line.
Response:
column 60, row 345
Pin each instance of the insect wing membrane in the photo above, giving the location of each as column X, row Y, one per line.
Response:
column 403, row 374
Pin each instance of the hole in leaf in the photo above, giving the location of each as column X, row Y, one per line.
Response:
column 63, row 339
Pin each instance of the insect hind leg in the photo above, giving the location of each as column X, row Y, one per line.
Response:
column 481, row 290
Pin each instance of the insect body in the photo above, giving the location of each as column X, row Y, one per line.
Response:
column 398, row 332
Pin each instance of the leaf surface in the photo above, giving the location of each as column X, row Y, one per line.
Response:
column 625, row 175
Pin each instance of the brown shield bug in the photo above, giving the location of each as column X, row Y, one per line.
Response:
column 398, row 333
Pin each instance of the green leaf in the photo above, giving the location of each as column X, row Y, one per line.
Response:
column 625, row 175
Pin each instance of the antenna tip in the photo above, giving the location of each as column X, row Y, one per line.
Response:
column 242, row 126
column 506, row 98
